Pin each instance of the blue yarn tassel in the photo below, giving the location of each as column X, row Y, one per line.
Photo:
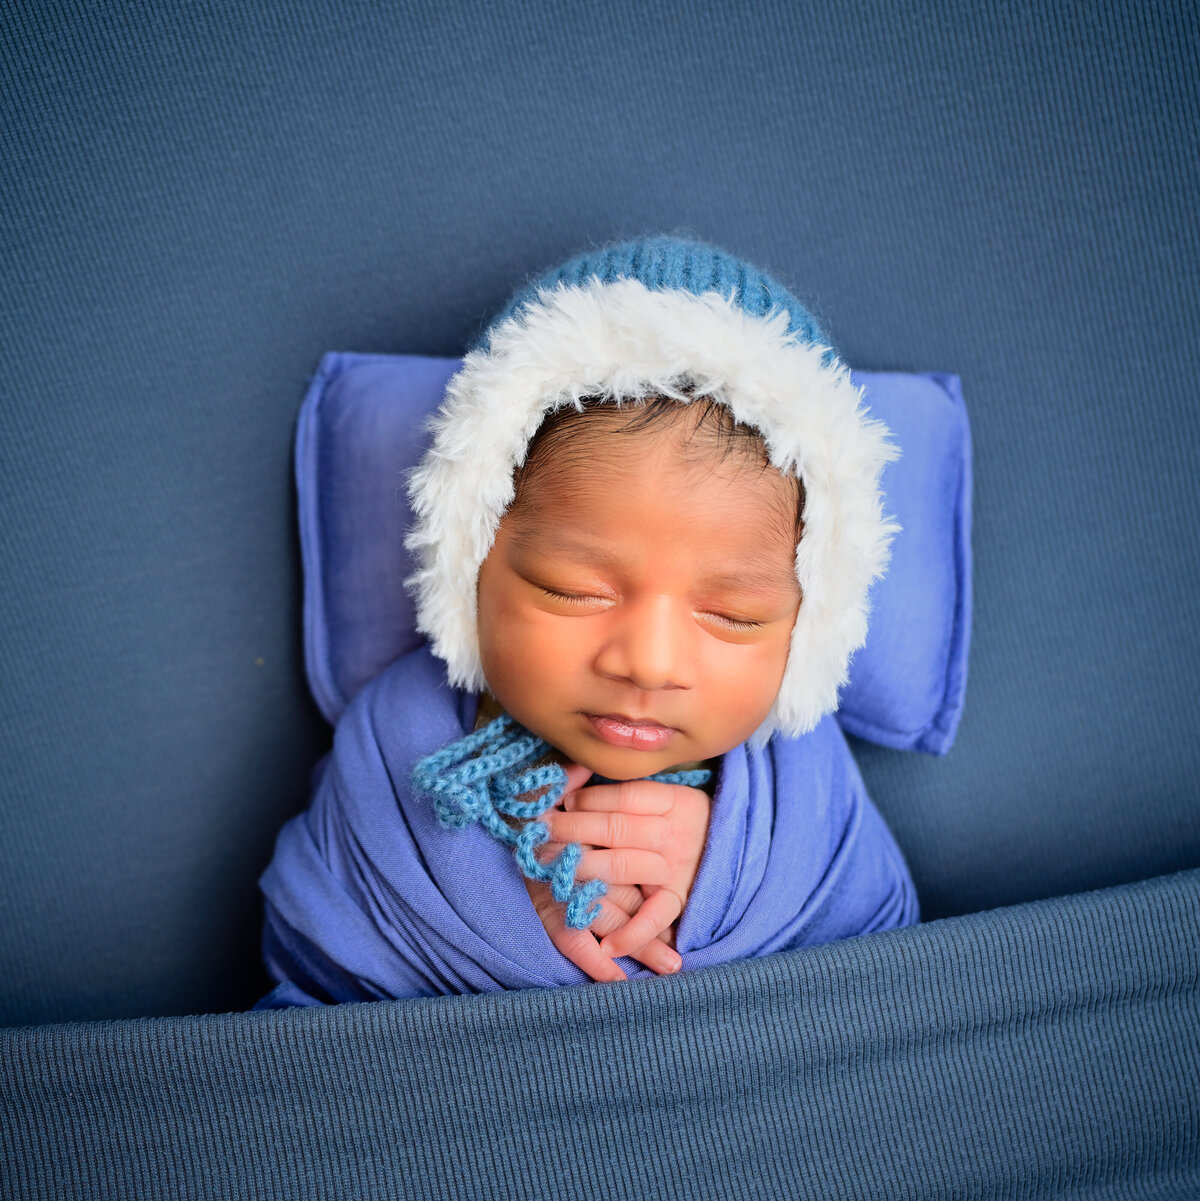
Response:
column 480, row 776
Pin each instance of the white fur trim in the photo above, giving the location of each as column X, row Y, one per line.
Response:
column 627, row 341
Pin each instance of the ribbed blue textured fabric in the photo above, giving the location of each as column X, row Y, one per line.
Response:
column 199, row 201
column 1048, row 1050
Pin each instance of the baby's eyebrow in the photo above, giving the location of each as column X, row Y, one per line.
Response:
column 555, row 542
column 753, row 577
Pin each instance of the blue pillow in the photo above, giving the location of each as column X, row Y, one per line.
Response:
column 362, row 426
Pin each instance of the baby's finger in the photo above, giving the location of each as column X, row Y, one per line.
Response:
column 648, row 797
column 612, row 916
column 658, row 957
column 581, row 948
column 628, row 896
column 577, row 777
column 657, row 913
column 657, row 954
column 624, row 866
column 607, row 829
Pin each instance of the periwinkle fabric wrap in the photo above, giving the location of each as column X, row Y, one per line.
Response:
column 368, row 897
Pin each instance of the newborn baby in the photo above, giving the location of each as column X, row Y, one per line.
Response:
column 645, row 530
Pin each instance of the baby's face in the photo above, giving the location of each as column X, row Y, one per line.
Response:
column 636, row 608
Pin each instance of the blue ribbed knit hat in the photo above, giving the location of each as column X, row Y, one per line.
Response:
column 663, row 263
column 661, row 316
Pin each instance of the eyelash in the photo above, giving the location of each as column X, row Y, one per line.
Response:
column 735, row 623
column 732, row 623
column 566, row 596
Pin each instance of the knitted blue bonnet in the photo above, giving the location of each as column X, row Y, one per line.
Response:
column 660, row 316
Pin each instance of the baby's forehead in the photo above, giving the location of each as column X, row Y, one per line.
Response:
column 700, row 439
column 596, row 482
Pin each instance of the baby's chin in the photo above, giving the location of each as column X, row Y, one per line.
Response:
column 619, row 775
column 627, row 765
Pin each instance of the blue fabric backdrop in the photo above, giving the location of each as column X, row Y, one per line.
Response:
column 200, row 200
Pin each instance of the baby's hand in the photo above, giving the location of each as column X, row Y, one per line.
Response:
column 581, row 947
column 656, row 833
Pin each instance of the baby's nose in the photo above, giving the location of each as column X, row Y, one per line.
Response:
column 651, row 646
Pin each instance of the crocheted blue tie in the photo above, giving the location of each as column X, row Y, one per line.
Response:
column 481, row 776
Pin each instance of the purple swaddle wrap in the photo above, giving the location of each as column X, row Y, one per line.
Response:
column 369, row 897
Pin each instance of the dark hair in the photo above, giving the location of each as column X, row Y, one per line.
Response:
column 570, row 434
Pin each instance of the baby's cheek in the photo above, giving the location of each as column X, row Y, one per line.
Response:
column 563, row 650
column 756, row 686
column 525, row 666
